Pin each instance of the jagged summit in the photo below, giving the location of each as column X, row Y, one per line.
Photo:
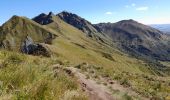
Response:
column 73, row 20
column 69, row 18
column 77, row 22
column 44, row 19
column 63, row 13
column 133, row 36
column 51, row 14
column 124, row 56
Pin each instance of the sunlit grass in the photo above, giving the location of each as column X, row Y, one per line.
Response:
column 27, row 77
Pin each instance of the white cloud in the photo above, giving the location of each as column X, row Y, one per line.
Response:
column 144, row 8
column 108, row 13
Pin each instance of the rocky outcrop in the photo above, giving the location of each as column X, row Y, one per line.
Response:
column 44, row 19
column 24, row 35
column 29, row 47
column 77, row 22
column 54, row 21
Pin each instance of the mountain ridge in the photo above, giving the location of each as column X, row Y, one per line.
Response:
column 78, row 22
column 71, row 60
column 126, row 34
column 136, row 36
column 21, row 33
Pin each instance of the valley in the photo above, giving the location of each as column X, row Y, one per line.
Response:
column 65, row 57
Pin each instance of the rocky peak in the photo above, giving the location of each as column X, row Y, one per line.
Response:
column 69, row 14
column 77, row 22
column 44, row 19
column 50, row 15
column 42, row 15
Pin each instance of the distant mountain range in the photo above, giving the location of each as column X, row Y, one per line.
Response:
column 128, row 36
column 138, row 39
column 131, row 36
column 126, row 53
column 162, row 27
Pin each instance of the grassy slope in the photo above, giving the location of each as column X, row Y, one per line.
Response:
column 27, row 77
column 113, row 63
column 17, row 28
column 73, row 48
column 90, row 51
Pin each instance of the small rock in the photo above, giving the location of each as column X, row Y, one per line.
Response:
column 84, row 85
column 111, row 82
column 68, row 71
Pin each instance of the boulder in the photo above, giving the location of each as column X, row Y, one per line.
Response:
column 29, row 47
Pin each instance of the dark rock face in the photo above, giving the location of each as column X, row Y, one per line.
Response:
column 77, row 22
column 137, row 38
column 14, row 31
column 29, row 47
column 74, row 20
column 44, row 19
column 83, row 25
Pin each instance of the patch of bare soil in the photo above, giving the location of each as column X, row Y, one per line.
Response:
column 94, row 90
column 98, row 91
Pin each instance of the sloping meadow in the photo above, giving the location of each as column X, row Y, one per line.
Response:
column 27, row 77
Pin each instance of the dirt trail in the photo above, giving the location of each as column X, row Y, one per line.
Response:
column 94, row 90
column 98, row 91
column 102, row 92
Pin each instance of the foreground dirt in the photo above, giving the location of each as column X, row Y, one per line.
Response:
column 111, row 90
column 94, row 90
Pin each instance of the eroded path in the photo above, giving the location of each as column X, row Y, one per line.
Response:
column 94, row 90
column 111, row 90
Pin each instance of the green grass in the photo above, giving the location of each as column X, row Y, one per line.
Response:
column 17, row 28
column 149, row 86
column 109, row 62
column 30, row 77
column 25, row 77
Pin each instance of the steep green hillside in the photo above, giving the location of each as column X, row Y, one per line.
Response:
column 75, row 48
column 17, row 29
column 24, row 77
column 58, row 22
column 73, row 45
column 32, row 77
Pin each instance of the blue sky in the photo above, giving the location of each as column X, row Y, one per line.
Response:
column 144, row 11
